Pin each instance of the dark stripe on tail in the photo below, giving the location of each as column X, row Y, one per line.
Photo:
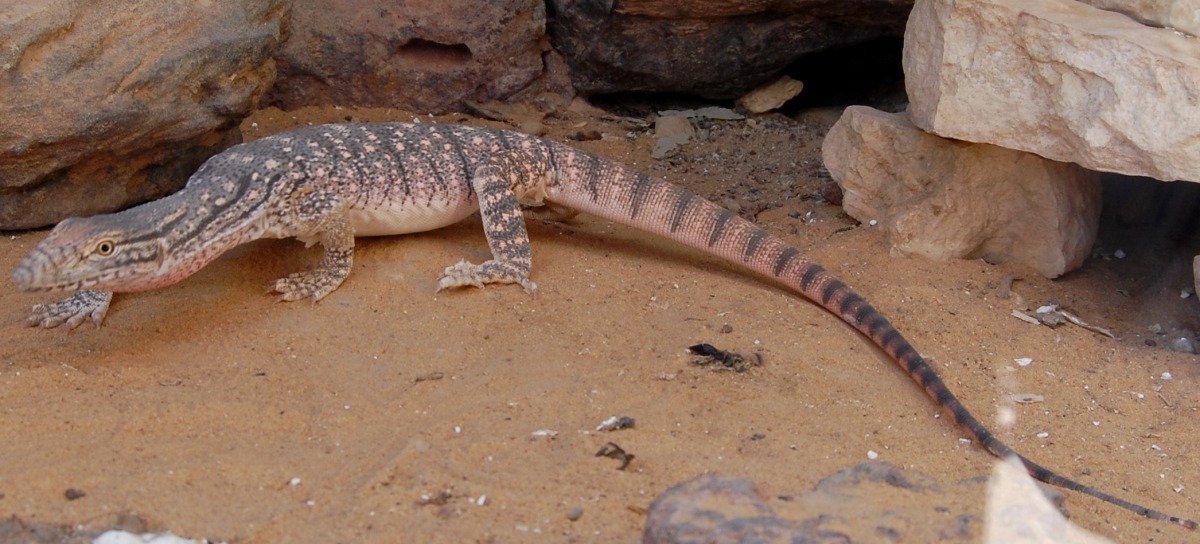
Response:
column 756, row 240
column 785, row 258
column 718, row 228
column 682, row 204
column 641, row 191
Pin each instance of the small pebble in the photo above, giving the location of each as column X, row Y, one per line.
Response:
column 871, row 454
column 1120, row 254
column 575, row 513
column 1182, row 345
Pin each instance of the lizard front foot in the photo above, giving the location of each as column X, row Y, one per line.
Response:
column 464, row 273
column 314, row 284
column 73, row 310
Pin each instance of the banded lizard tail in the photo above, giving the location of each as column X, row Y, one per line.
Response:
column 330, row 183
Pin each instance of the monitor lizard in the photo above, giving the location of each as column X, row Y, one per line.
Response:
column 329, row 183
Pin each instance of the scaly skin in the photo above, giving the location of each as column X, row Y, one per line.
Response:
column 329, row 183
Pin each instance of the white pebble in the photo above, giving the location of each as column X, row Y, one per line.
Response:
column 1043, row 435
column 122, row 537
column 1166, row 375
column 1024, row 361
column 294, row 482
column 1120, row 254
column 871, row 454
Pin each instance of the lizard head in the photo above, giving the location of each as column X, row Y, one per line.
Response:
column 91, row 253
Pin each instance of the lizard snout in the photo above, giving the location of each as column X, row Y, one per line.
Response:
column 23, row 277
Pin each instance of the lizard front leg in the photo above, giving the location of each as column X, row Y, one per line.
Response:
column 504, row 226
column 319, row 217
column 84, row 304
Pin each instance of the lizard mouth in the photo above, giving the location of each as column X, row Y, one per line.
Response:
column 27, row 281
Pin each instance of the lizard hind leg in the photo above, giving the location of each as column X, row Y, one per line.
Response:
column 504, row 226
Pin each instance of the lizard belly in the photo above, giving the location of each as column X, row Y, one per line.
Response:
column 404, row 218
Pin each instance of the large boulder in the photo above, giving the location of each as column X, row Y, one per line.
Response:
column 112, row 102
column 711, row 48
column 1058, row 78
column 946, row 199
column 1179, row 14
column 422, row 55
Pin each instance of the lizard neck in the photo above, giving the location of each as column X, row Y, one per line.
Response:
column 205, row 225
column 191, row 228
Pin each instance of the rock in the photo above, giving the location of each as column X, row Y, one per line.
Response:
column 109, row 103
column 422, row 55
column 771, row 96
column 1196, row 274
column 877, row 472
column 1058, row 78
column 1178, row 14
column 718, row 509
column 870, row 502
column 707, row 112
column 1018, row 512
column 1182, row 344
column 670, row 132
column 945, row 199
column 717, row 49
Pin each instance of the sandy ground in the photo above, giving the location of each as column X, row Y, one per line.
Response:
column 388, row 413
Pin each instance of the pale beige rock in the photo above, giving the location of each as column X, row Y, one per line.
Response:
column 1178, row 14
column 1058, row 78
column 771, row 96
column 670, row 132
column 1196, row 274
column 947, row 199
column 1017, row 511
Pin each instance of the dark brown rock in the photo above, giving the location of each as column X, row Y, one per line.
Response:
column 721, row 509
column 111, row 102
column 716, row 49
column 422, row 55
column 870, row 502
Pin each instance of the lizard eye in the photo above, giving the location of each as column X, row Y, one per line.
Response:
column 105, row 248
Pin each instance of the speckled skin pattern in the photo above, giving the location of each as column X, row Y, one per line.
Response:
column 326, row 184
